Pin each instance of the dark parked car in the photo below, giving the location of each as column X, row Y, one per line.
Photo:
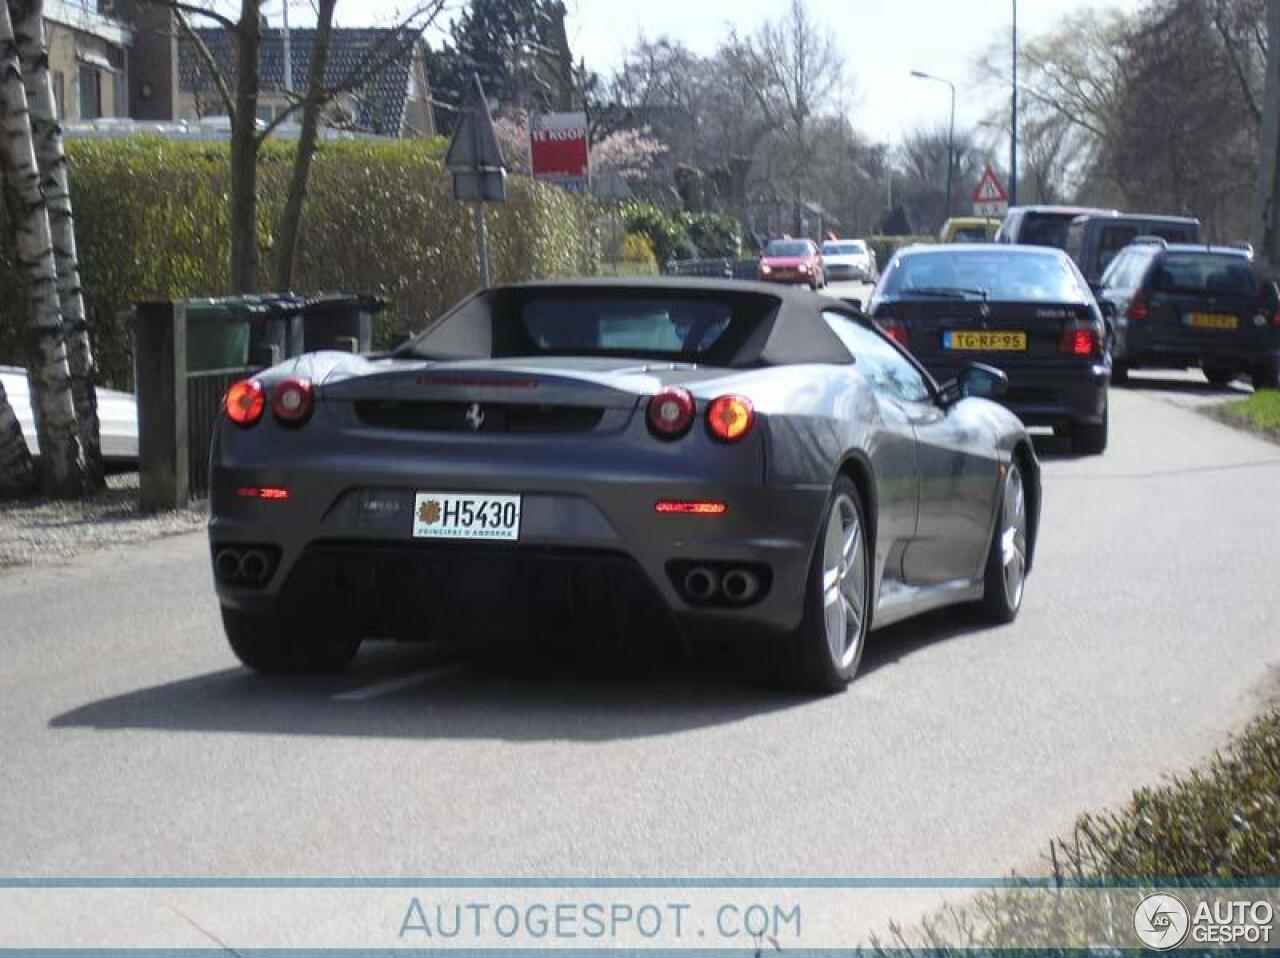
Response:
column 1177, row 306
column 1025, row 309
column 1040, row 225
column 796, row 261
column 1093, row 241
column 727, row 457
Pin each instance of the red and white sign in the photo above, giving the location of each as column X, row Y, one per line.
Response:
column 559, row 150
column 989, row 197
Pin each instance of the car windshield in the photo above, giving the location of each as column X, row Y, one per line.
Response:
column 1208, row 273
column 1045, row 229
column 998, row 274
column 843, row 249
column 787, row 248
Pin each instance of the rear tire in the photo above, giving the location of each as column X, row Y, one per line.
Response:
column 1119, row 373
column 1005, row 576
column 1266, row 375
column 1219, row 376
column 266, row 646
column 822, row 655
column 1090, row 438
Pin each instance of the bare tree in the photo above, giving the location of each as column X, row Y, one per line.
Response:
column 793, row 70
column 33, row 53
column 17, row 469
column 291, row 221
column 1071, row 80
column 922, row 190
column 241, row 106
column 61, row 458
column 1185, row 139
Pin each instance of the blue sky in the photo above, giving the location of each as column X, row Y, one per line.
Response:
column 881, row 40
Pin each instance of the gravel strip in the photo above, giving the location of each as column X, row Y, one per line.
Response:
column 42, row 531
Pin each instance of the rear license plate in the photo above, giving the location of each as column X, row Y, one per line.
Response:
column 985, row 340
column 1212, row 320
column 453, row 515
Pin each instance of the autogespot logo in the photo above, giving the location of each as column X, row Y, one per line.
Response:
column 1161, row 921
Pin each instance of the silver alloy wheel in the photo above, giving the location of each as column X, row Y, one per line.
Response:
column 1013, row 537
column 844, row 581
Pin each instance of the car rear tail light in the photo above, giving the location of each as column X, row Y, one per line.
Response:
column 291, row 401
column 1138, row 308
column 730, row 417
column 670, row 413
column 244, row 402
column 691, row 507
column 1079, row 342
column 896, row 331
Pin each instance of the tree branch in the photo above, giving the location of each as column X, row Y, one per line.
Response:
column 407, row 33
column 206, row 57
column 191, row 9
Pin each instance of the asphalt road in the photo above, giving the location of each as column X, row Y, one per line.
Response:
column 132, row 744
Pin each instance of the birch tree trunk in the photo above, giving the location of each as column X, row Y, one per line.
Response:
column 244, row 152
column 291, row 221
column 61, row 461
column 17, row 469
column 28, row 26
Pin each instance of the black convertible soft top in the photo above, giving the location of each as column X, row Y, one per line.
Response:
column 768, row 325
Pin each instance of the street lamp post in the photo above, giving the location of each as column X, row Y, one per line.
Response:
column 1013, row 117
column 951, row 131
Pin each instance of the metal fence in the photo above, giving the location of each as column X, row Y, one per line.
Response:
column 719, row 268
column 204, row 405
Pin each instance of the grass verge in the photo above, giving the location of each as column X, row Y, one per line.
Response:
column 1258, row 413
column 1217, row 824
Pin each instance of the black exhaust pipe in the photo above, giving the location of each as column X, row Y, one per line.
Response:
column 700, row 583
column 254, row 567
column 228, row 564
column 740, row 585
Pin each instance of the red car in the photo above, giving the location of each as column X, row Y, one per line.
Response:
column 792, row 261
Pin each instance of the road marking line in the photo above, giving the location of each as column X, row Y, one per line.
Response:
column 400, row 683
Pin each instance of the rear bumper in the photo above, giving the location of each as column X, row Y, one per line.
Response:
column 1154, row 351
column 1050, row 393
column 793, row 279
column 342, row 550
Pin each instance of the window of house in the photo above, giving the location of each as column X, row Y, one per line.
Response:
column 90, row 92
column 59, row 94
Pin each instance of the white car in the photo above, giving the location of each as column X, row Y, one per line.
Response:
column 117, row 417
column 849, row 260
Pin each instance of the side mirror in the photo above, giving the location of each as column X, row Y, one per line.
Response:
column 975, row 380
column 1108, row 308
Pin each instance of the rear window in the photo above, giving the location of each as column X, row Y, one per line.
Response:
column 1045, row 229
column 843, row 249
column 787, row 248
column 1002, row 274
column 970, row 234
column 1208, row 273
column 602, row 325
column 1111, row 240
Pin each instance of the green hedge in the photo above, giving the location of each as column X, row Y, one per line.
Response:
column 152, row 223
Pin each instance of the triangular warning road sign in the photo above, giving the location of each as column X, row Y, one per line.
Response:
column 989, row 189
column 474, row 147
